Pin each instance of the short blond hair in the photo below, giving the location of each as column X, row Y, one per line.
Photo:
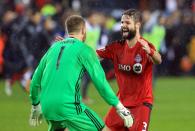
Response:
column 74, row 23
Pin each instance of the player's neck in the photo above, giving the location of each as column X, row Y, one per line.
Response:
column 77, row 36
column 133, row 41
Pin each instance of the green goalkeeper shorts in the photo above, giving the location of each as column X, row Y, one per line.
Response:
column 86, row 121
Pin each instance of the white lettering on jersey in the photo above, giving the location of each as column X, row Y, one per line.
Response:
column 124, row 67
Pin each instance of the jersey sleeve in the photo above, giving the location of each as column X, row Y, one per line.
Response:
column 93, row 67
column 35, row 84
column 106, row 52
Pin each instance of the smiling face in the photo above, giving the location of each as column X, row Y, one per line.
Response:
column 128, row 27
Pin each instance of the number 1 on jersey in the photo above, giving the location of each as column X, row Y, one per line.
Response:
column 59, row 57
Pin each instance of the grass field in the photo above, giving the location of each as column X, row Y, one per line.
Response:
column 174, row 107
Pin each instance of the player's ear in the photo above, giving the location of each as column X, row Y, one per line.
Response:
column 83, row 30
column 138, row 25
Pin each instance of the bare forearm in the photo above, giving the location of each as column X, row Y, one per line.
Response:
column 156, row 58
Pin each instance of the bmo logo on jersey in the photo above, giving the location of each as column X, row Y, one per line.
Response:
column 124, row 67
column 137, row 67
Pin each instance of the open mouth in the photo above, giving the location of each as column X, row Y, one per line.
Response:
column 125, row 31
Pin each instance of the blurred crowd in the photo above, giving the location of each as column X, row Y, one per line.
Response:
column 28, row 29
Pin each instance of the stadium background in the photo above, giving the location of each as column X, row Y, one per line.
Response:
column 28, row 28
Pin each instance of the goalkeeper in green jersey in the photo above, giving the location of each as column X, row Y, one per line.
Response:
column 55, row 85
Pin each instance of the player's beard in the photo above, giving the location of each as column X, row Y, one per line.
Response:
column 131, row 34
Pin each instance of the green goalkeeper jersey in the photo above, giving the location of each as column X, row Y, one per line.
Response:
column 56, row 81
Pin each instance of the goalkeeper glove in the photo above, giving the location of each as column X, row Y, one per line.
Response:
column 125, row 114
column 36, row 115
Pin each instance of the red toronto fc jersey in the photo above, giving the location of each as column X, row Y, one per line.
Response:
column 133, row 71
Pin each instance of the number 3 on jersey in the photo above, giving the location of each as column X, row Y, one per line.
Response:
column 59, row 57
column 144, row 126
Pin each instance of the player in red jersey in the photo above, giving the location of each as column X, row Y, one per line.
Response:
column 133, row 58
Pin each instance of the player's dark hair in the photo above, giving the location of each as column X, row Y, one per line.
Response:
column 133, row 13
column 74, row 23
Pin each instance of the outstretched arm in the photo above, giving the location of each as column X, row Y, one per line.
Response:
column 35, row 86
